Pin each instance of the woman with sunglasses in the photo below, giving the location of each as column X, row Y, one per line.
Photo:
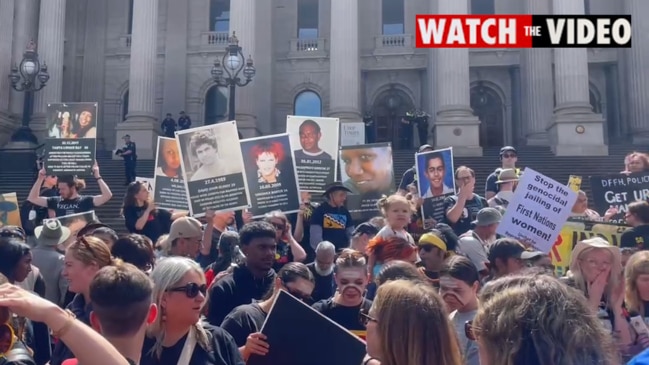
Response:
column 288, row 249
column 351, row 279
column 177, row 335
column 244, row 322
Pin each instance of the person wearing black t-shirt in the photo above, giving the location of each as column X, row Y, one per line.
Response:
column 462, row 209
column 141, row 215
column 347, row 303
column 69, row 201
column 246, row 282
column 637, row 216
column 331, row 221
column 323, row 271
column 245, row 321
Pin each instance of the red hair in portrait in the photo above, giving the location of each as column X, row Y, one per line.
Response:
column 276, row 148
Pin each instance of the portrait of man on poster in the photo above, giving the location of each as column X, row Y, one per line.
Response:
column 204, row 147
column 435, row 173
column 310, row 135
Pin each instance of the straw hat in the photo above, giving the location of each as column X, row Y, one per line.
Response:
column 596, row 242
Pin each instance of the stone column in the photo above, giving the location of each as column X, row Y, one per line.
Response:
column 243, row 23
column 616, row 128
column 637, row 59
column 455, row 124
column 344, row 63
column 517, row 127
column 575, row 129
column 536, row 84
column 25, row 29
column 50, row 46
column 174, row 97
column 6, row 37
column 141, row 122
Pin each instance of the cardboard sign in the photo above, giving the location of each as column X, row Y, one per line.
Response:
column 297, row 335
column 619, row 191
column 538, row 210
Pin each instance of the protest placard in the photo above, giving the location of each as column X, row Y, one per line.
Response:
column 315, row 158
column 367, row 171
column 70, row 148
column 578, row 230
column 169, row 190
column 271, row 174
column 297, row 335
column 212, row 167
column 352, row 133
column 76, row 222
column 435, row 182
column 538, row 210
column 618, row 191
column 574, row 183
column 148, row 182
column 9, row 210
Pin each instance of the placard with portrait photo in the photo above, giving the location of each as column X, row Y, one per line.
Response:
column 367, row 171
column 271, row 173
column 435, row 182
column 315, row 147
column 75, row 223
column 71, row 146
column 169, row 187
column 9, row 210
column 212, row 167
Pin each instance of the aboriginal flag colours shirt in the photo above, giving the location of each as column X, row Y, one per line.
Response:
column 62, row 207
column 334, row 222
column 348, row 317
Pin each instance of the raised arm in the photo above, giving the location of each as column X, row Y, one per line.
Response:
column 106, row 194
column 34, row 194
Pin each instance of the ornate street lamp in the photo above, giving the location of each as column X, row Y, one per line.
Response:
column 30, row 77
column 232, row 64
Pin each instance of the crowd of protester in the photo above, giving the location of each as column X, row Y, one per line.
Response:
column 179, row 290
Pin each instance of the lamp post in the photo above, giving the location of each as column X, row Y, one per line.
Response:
column 30, row 77
column 232, row 64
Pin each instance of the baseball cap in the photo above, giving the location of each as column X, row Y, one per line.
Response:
column 487, row 217
column 185, row 227
column 425, row 147
column 505, row 248
column 432, row 240
column 365, row 228
column 126, row 136
column 508, row 149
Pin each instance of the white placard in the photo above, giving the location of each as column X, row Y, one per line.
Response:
column 148, row 182
column 352, row 133
column 538, row 210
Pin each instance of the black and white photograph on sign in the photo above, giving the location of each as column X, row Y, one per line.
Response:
column 170, row 191
column 271, row 174
column 70, row 148
column 298, row 334
column 213, row 168
column 315, row 146
column 76, row 222
column 614, row 193
column 367, row 171
column 435, row 182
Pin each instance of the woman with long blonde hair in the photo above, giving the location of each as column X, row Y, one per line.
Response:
column 533, row 319
column 636, row 277
column 408, row 325
column 596, row 271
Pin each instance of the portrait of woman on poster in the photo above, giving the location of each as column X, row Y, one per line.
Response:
column 168, row 159
column 267, row 156
column 86, row 125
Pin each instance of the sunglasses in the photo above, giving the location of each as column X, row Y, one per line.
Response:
column 509, row 155
column 468, row 330
column 426, row 248
column 364, row 318
column 279, row 227
column 191, row 290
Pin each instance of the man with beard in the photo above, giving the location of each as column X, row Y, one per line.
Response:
column 246, row 282
column 220, row 222
column 348, row 302
column 69, row 201
column 323, row 271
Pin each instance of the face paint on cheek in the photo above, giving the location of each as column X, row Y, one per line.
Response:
column 449, row 285
column 352, row 277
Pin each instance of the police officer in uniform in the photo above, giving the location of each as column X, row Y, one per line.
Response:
column 128, row 153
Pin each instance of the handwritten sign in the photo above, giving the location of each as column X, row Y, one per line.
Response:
column 538, row 210
column 619, row 191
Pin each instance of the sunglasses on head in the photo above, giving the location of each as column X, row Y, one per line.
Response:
column 191, row 290
column 12, row 232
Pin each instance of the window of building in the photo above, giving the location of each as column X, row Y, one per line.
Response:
column 485, row 7
column 130, row 17
column 393, row 17
column 124, row 105
column 220, row 16
column 308, row 104
column 307, row 19
column 216, row 105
